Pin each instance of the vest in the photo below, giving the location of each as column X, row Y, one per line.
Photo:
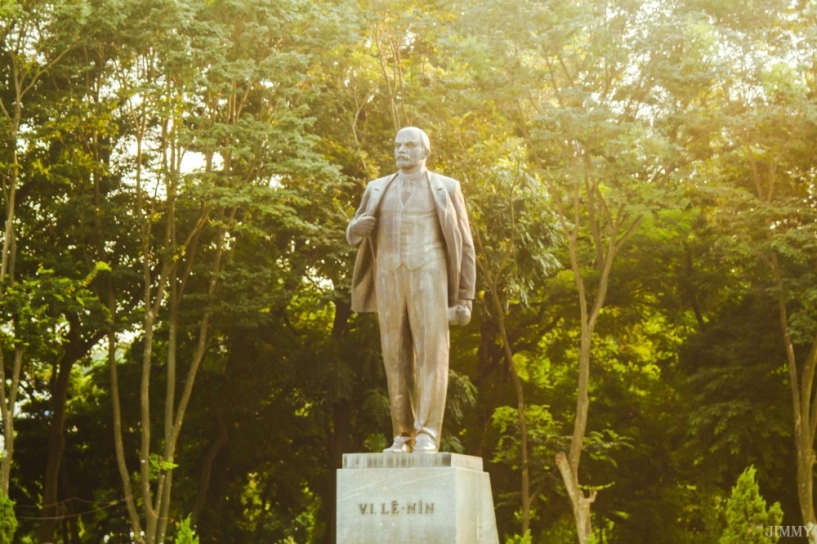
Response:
column 408, row 234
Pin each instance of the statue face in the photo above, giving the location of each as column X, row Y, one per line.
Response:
column 409, row 152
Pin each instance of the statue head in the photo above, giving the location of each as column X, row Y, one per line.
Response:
column 411, row 149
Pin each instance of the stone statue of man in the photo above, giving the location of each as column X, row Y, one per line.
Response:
column 416, row 269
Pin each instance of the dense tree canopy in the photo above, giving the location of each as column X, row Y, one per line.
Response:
column 177, row 346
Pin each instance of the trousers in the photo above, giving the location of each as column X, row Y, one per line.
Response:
column 412, row 308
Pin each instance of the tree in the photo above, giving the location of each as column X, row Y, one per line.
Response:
column 185, row 533
column 570, row 99
column 747, row 519
column 765, row 203
column 513, row 236
column 35, row 37
column 8, row 522
column 251, row 133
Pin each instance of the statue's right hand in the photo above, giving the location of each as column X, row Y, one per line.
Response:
column 362, row 226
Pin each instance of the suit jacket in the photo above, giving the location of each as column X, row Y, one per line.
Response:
column 459, row 245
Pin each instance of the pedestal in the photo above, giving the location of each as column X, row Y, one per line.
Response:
column 433, row 498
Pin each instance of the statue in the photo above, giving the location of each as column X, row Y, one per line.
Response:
column 416, row 268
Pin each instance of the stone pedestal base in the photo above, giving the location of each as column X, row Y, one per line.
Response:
column 433, row 498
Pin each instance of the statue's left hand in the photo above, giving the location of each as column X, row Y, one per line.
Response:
column 460, row 314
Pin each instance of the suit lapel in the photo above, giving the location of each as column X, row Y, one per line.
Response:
column 440, row 195
column 378, row 190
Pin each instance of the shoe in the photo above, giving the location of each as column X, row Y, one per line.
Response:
column 402, row 444
column 423, row 443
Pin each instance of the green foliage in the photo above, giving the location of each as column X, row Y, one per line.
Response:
column 747, row 518
column 185, row 533
column 562, row 531
column 544, row 434
column 520, row 539
column 159, row 465
column 8, row 521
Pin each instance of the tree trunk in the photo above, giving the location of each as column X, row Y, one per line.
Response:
column 9, row 247
column 520, row 411
column 491, row 281
column 601, row 220
column 8, row 406
column 56, row 447
column 207, row 465
column 805, row 422
column 569, row 465
column 581, row 503
column 76, row 349
column 119, row 447
column 338, row 444
column 338, row 435
column 70, row 531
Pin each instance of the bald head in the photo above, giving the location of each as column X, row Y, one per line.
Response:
column 411, row 149
column 419, row 133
